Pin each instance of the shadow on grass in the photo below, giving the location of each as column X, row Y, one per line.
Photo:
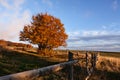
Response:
column 14, row 62
column 31, row 52
column 79, row 73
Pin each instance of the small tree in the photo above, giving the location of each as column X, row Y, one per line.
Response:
column 46, row 31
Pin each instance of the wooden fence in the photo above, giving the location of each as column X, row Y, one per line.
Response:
column 32, row 74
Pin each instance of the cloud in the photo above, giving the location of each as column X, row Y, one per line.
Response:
column 18, row 3
column 5, row 4
column 111, row 27
column 104, row 27
column 93, row 35
column 87, row 33
column 103, row 47
column 116, row 45
column 101, row 37
column 94, row 40
column 88, row 14
column 13, row 20
column 48, row 2
column 15, row 4
column 115, row 5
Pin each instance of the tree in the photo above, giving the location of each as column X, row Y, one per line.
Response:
column 46, row 31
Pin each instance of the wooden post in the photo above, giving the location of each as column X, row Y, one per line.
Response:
column 86, row 58
column 67, row 51
column 31, row 74
column 93, row 60
column 70, row 67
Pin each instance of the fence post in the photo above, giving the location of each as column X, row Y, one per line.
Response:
column 94, row 59
column 86, row 58
column 70, row 67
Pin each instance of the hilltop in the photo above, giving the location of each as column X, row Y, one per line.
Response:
column 14, row 44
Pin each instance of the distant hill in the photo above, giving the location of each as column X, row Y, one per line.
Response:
column 14, row 44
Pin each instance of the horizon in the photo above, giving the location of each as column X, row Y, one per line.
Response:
column 90, row 24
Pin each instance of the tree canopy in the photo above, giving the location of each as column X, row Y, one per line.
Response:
column 46, row 31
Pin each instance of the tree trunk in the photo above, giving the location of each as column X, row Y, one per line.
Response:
column 43, row 50
column 40, row 49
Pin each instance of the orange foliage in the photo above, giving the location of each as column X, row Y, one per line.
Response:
column 46, row 31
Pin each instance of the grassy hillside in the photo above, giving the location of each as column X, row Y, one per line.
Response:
column 12, row 61
column 15, row 59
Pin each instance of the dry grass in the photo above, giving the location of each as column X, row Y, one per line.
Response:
column 14, row 60
column 111, row 64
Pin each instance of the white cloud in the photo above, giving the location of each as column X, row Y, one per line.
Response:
column 94, row 40
column 48, row 2
column 87, row 33
column 115, row 5
column 17, row 3
column 12, row 22
column 5, row 3
column 75, row 33
column 111, row 27
column 88, row 14
column 14, row 26
column 14, row 4
column 104, row 27
column 94, row 33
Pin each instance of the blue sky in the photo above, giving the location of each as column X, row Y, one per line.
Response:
column 90, row 24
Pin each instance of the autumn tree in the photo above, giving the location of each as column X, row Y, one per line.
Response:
column 46, row 31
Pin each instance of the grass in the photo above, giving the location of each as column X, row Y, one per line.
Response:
column 102, row 53
column 111, row 54
column 14, row 61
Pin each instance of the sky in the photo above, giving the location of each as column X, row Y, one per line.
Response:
column 90, row 24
